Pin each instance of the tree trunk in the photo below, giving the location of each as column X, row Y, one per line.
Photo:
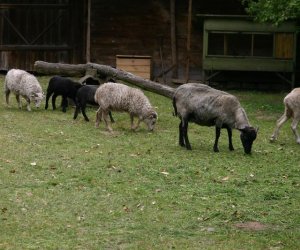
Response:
column 80, row 69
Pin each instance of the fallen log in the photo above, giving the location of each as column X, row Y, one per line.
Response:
column 80, row 69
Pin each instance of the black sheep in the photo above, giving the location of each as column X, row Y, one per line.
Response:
column 85, row 95
column 61, row 86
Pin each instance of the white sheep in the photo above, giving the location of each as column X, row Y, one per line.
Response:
column 21, row 83
column 291, row 110
column 207, row 106
column 119, row 97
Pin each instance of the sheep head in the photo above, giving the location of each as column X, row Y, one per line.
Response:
column 248, row 135
column 150, row 120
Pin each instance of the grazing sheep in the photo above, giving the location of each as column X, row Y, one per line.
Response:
column 86, row 95
column 206, row 106
column 119, row 97
column 21, row 83
column 291, row 110
column 62, row 86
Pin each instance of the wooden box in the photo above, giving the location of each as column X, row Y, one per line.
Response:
column 135, row 64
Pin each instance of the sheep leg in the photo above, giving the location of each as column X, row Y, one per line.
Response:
column 111, row 118
column 77, row 110
column 19, row 101
column 64, row 104
column 105, row 118
column 218, row 133
column 134, row 127
column 47, row 99
column 294, row 129
column 229, row 132
column 279, row 123
column 83, row 106
column 98, row 117
column 181, row 140
column 185, row 135
column 131, row 122
column 137, row 124
column 28, row 103
column 53, row 101
column 7, row 92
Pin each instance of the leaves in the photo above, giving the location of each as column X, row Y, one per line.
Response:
column 274, row 11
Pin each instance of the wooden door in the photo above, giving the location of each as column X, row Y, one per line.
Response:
column 284, row 45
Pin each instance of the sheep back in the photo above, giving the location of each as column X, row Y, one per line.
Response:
column 119, row 97
column 25, row 84
column 292, row 100
column 207, row 106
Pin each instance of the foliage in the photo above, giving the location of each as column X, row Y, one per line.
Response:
column 66, row 185
column 274, row 11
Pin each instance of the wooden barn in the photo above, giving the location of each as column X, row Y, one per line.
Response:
column 153, row 38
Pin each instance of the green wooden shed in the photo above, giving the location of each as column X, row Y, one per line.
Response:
column 237, row 43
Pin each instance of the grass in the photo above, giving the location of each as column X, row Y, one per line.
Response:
column 66, row 185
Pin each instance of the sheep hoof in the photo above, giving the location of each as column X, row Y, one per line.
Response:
column 216, row 150
column 272, row 139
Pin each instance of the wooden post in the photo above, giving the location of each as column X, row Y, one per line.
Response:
column 88, row 32
column 188, row 42
column 173, row 38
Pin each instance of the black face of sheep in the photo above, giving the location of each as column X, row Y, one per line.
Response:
column 248, row 135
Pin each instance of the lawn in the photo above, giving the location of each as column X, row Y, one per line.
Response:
column 66, row 185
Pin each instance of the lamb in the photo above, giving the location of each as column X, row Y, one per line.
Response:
column 207, row 106
column 85, row 95
column 62, row 86
column 292, row 110
column 119, row 97
column 24, row 84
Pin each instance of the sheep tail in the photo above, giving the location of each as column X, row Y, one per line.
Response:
column 174, row 106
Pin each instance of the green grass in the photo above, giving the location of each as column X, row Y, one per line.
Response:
column 66, row 185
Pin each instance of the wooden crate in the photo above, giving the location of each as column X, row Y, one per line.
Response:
column 137, row 65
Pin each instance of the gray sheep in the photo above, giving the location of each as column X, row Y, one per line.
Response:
column 292, row 110
column 207, row 106
column 119, row 97
column 21, row 83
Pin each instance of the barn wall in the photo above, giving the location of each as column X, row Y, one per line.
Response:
column 40, row 30
column 143, row 28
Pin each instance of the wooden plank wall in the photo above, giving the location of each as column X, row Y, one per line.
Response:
column 140, row 27
column 40, row 30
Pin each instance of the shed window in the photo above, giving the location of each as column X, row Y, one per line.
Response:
column 263, row 45
column 239, row 44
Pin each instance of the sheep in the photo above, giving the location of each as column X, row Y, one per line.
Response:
column 85, row 95
column 24, row 84
column 119, row 97
column 292, row 110
column 62, row 86
column 207, row 106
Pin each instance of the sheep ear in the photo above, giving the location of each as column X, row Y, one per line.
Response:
column 153, row 115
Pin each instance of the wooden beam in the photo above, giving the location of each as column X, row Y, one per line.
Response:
column 188, row 42
column 88, row 32
column 173, row 38
column 104, row 70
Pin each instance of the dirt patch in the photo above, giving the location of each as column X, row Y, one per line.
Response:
column 252, row 225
